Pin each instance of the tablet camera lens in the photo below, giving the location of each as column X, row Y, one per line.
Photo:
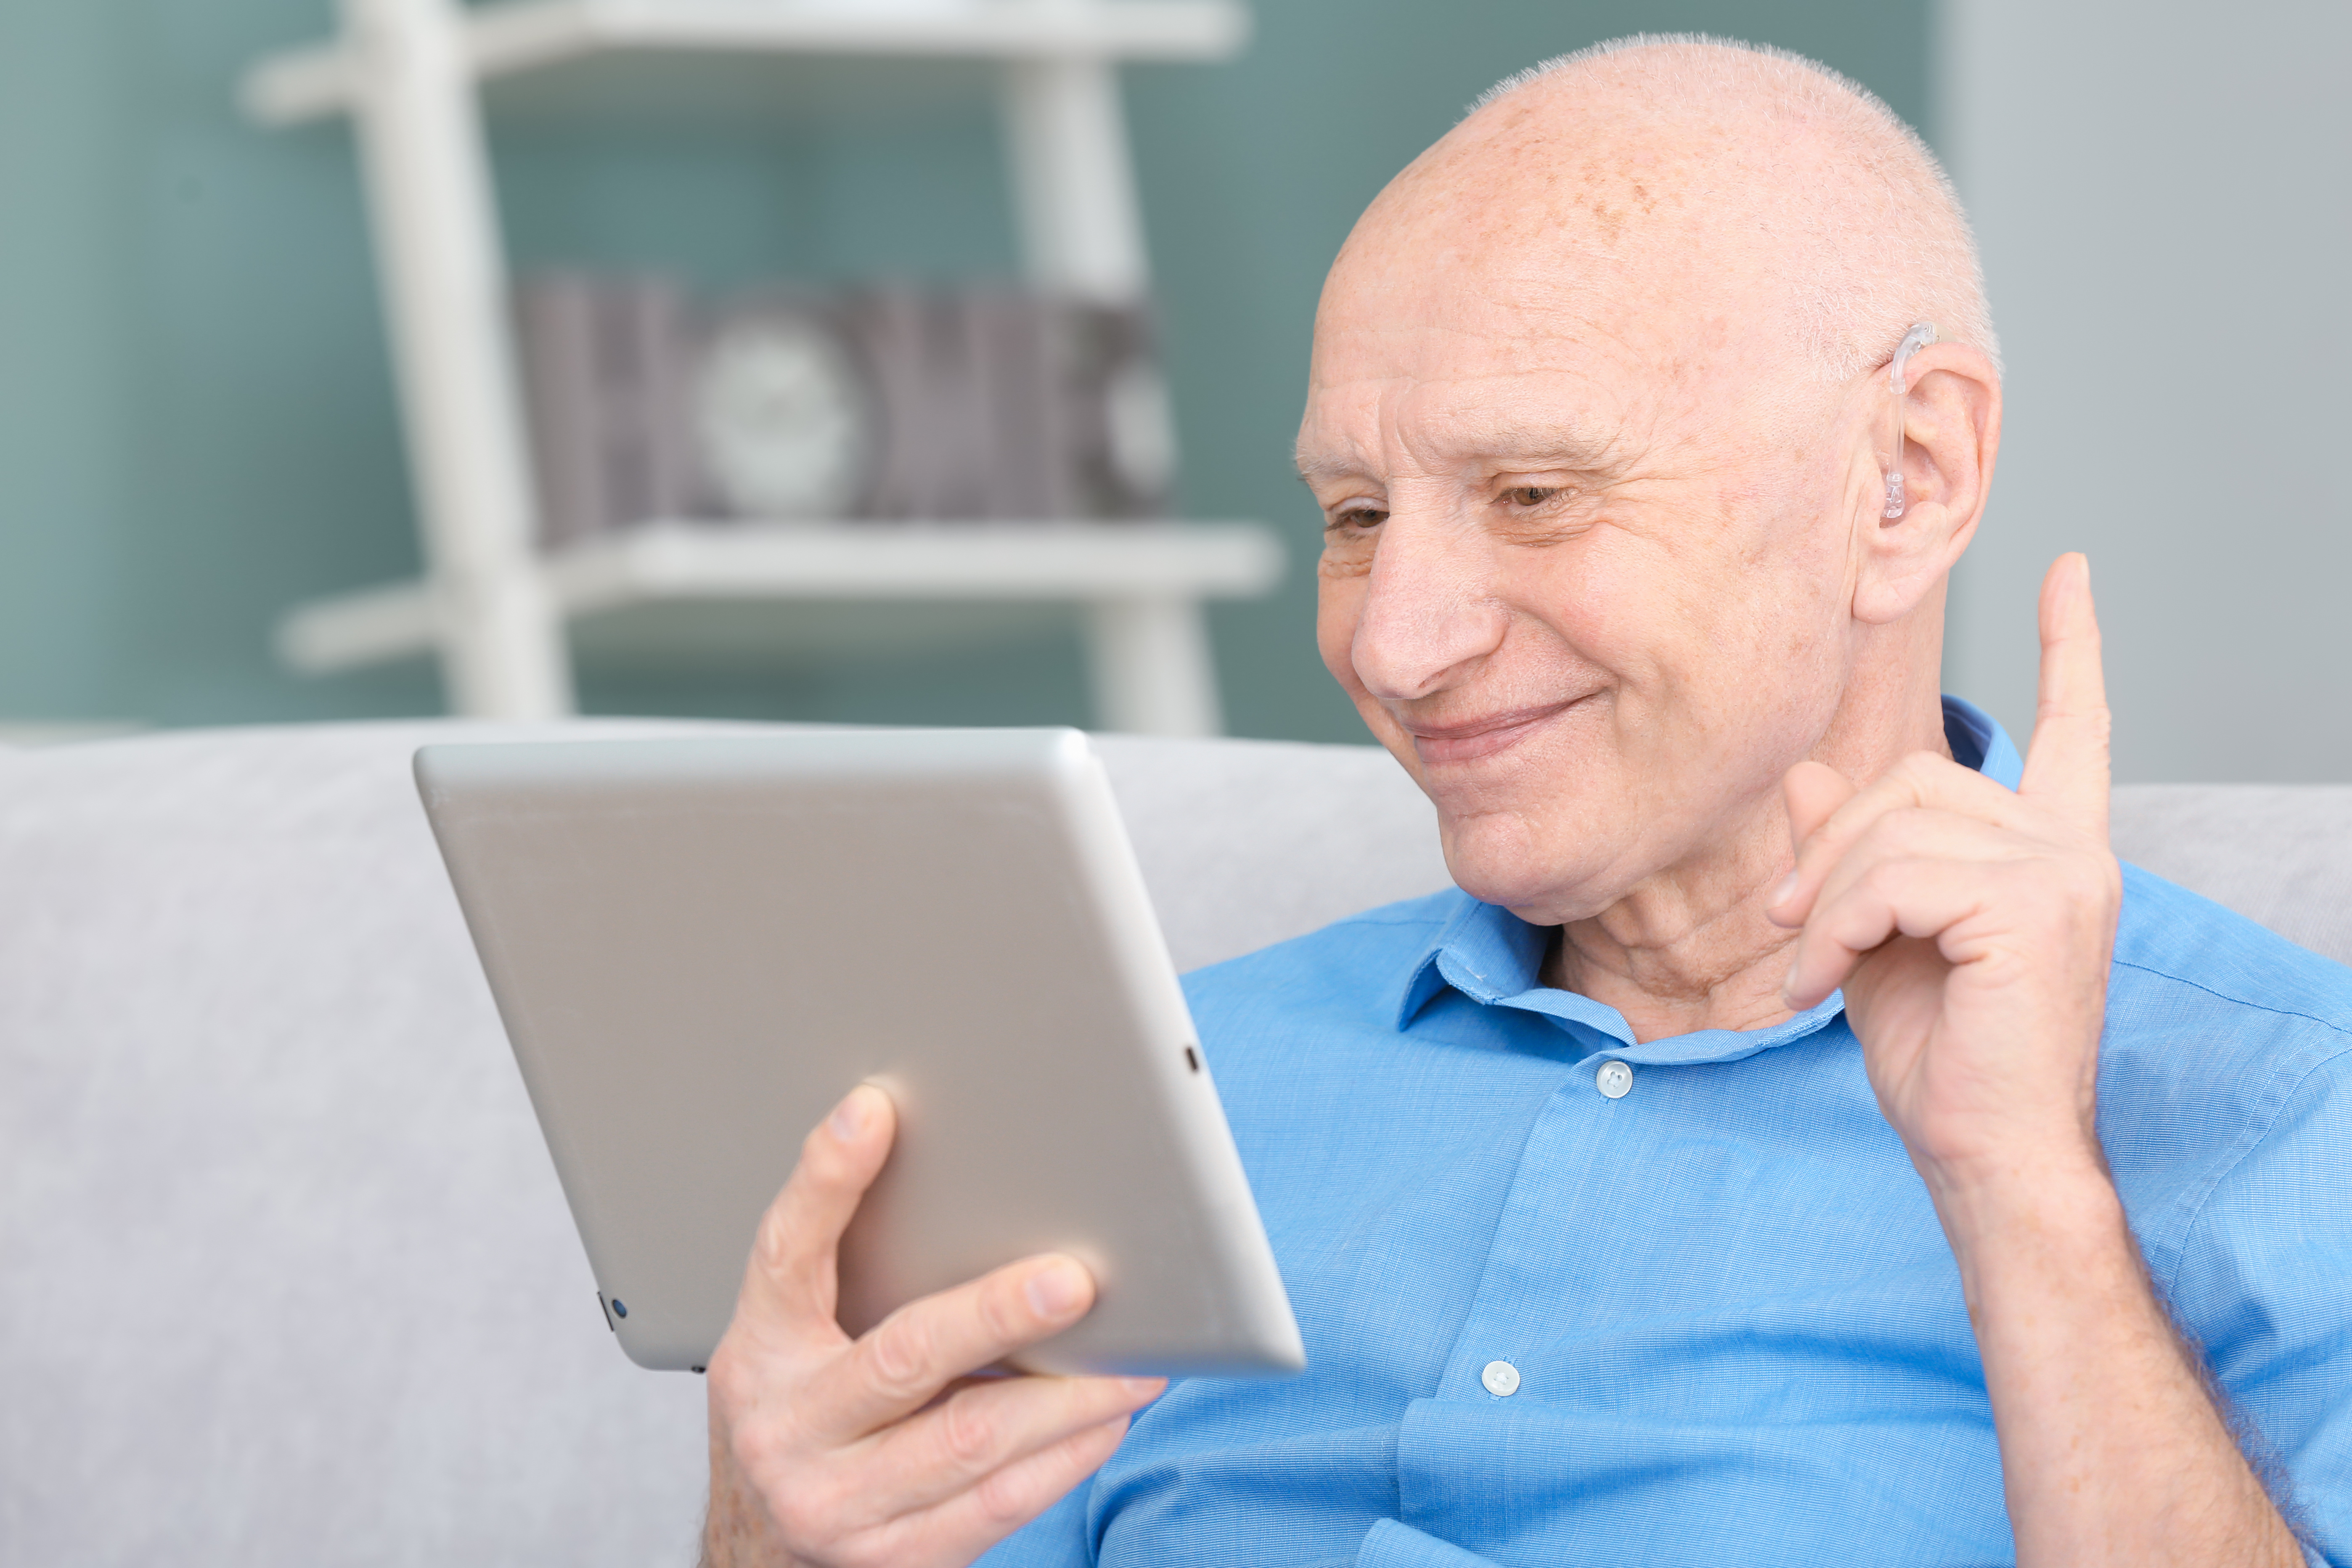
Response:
column 620, row 1307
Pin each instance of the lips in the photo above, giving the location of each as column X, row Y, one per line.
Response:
column 1468, row 740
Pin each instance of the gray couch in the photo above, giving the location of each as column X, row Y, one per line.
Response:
column 285, row 1277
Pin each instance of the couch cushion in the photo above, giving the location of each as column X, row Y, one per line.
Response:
column 2278, row 853
column 285, row 1274
column 1245, row 843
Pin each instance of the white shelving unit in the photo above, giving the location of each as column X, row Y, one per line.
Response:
column 409, row 74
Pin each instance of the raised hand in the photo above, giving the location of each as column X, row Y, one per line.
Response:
column 825, row 1449
column 1971, row 928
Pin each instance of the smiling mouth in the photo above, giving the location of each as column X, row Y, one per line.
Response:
column 1474, row 738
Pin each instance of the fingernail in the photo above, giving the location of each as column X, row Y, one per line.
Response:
column 1056, row 1292
column 1781, row 894
column 1144, row 1388
column 848, row 1118
column 1789, row 986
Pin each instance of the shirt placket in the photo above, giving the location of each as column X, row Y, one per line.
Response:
column 1582, row 1164
column 1499, row 1356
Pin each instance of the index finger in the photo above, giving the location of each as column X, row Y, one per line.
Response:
column 901, row 1364
column 2067, row 763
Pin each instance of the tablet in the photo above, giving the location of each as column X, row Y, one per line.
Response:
column 698, row 945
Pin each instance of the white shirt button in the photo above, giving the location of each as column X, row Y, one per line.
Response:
column 1613, row 1080
column 1501, row 1378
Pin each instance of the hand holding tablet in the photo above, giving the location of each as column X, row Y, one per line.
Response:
column 829, row 1449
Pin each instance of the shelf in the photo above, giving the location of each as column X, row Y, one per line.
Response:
column 519, row 35
column 506, row 625
column 662, row 564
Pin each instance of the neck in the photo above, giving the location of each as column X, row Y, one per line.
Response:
column 1689, row 947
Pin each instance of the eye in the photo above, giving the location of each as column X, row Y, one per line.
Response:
column 1530, row 496
column 1358, row 516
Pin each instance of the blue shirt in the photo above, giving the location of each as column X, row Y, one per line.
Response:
column 1737, row 1326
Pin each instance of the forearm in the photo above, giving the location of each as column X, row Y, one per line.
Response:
column 2112, row 1451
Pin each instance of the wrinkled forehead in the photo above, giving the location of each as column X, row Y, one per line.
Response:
column 1440, row 313
column 1512, row 354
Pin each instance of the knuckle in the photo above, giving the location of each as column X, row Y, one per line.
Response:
column 899, row 1353
column 968, row 1433
column 1001, row 1498
column 1901, row 826
column 771, row 1248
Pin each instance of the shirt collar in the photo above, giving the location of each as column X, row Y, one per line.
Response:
column 1491, row 956
column 1980, row 743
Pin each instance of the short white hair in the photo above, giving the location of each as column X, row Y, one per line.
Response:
column 1896, row 248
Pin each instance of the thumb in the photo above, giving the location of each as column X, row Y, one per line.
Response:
column 1815, row 791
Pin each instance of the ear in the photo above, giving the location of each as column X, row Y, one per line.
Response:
column 1951, row 430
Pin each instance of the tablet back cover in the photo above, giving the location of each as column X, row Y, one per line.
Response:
column 699, row 945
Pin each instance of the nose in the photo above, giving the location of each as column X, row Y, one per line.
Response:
column 1430, row 611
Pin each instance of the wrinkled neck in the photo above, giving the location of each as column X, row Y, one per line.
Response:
column 1690, row 947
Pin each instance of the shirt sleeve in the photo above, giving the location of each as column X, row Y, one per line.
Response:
column 2261, row 1285
column 1054, row 1538
column 1392, row 1545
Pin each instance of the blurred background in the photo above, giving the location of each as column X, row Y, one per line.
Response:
column 199, row 428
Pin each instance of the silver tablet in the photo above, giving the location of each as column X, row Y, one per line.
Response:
column 699, row 945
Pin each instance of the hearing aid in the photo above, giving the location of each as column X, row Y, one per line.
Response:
column 1917, row 338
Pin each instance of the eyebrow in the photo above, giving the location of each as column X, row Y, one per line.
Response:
column 1546, row 446
column 1504, row 445
column 1327, row 467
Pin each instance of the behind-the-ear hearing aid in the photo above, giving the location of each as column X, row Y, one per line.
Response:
column 1917, row 338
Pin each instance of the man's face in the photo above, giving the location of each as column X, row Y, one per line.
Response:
column 1588, row 552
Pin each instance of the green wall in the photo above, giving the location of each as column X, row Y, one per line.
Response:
column 197, row 426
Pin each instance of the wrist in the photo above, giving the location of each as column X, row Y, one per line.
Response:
column 2056, row 1213
column 737, row 1531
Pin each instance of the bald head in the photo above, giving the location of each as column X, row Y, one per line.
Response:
column 1752, row 178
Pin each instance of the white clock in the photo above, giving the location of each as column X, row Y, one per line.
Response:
column 783, row 416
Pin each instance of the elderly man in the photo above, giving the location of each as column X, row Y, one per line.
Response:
column 1649, row 1200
